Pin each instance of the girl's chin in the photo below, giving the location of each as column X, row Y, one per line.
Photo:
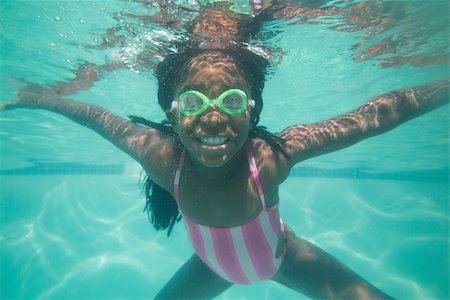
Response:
column 214, row 156
column 212, row 161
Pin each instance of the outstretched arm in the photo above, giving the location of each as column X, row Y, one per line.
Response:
column 379, row 115
column 143, row 144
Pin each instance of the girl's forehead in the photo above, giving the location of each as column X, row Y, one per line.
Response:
column 212, row 76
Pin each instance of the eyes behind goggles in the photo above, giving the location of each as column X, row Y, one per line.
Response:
column 192, row 103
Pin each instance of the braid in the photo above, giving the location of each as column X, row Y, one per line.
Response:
column 160, row 206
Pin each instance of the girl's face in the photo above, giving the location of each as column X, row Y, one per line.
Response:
column 213, row 137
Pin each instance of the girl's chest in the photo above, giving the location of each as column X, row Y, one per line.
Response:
column 222, row 203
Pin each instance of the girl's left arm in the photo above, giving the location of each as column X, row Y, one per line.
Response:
column 379, row 115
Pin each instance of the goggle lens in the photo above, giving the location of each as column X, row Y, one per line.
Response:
column 234, row 101
column 190, row 102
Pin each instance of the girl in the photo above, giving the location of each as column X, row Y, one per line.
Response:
column 212, row 164
column 223, row 171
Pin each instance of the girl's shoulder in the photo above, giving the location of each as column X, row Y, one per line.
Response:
column 271, row 162
column 161, row 161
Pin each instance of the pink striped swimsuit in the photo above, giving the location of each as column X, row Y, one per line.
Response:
column 243, row 254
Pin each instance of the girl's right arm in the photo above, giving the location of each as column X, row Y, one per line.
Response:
column 142, row 144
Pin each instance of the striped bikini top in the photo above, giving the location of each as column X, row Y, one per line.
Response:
column 243, row 254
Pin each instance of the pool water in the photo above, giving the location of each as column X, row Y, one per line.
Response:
column 71, row 208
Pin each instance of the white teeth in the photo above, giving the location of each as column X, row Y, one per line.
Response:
column 213, row 141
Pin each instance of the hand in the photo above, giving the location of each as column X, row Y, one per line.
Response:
column 33, row 96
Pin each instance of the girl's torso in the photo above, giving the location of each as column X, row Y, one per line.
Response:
column 242, row 239
column 223, row 201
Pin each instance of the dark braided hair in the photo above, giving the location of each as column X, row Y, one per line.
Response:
column 160, row 206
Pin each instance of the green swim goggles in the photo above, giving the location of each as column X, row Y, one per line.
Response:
column 193, row 103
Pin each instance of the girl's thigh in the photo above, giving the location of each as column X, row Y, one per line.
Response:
column 194, row 280
column 312, row 271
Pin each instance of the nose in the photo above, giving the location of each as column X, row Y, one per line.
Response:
column 213, row 117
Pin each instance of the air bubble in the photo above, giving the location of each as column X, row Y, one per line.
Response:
column 83, row 21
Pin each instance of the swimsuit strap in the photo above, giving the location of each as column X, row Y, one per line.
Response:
column 255, row 173
column 176, row 183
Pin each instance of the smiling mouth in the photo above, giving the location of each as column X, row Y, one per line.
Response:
column 214, row 141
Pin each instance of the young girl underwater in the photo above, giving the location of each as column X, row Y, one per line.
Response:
column 212, row 164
